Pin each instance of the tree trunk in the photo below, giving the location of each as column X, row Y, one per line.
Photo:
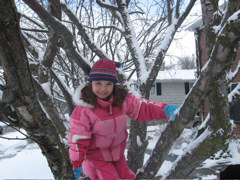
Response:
column 216, row 66
column 220, row 128
column 139, row 143
column 34, row 119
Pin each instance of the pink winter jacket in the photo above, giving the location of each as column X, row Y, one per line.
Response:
column 99, row 133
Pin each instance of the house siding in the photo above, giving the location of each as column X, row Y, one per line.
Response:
column 172, row 92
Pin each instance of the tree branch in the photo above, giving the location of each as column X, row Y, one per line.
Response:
column 31, row 20
column 35, row 30
column 52, row 47
column 82, row 32
column 166, row 42
column 66, row 94
column 105, row 27
column 34, row 118
column 13, row 138
column 61, row 30
column 107, row 5
column 217, row 64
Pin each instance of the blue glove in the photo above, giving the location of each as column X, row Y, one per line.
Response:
column 169, row 111
column 77, row 172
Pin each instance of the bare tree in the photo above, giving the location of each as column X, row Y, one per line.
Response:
column 55, row 47
column 186, row 62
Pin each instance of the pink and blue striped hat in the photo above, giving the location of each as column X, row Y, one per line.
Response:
column 104, row 69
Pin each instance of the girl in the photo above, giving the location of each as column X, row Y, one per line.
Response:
column 98, row 133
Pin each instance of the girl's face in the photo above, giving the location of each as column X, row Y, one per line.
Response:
column 102, row 89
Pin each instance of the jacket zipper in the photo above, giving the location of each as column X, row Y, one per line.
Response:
column 110, row 109
column 114, row 135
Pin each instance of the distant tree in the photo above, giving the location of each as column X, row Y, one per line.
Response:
column 186, row 62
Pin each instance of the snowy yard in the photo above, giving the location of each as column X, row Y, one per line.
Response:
column 20, row 159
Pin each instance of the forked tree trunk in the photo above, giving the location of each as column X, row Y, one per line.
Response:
column 25, row 98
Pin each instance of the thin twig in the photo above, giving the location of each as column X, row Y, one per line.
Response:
column 27, row 137
column 14, row 138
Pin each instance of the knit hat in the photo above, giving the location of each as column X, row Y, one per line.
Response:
column 104, row 69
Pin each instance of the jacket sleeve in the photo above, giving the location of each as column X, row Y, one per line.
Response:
column 144, row 110
column 79, row 136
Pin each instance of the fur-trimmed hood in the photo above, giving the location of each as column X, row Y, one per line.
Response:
column 77, row 97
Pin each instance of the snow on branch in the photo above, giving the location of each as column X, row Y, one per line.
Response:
column 107, row 4
column 232, row 74
column 192, row 146
column 133, row 44
column 234, row 95
column 233, row 17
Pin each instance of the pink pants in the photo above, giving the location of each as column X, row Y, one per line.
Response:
column 103, row 170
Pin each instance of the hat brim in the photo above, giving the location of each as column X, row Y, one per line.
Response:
column 102, row 78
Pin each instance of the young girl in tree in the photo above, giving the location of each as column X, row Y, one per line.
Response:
column 98, row 133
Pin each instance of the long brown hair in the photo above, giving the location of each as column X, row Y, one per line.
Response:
column 119, row 92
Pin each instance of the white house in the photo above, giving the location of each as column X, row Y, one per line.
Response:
column 172, row 86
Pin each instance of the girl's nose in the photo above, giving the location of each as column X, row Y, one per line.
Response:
column 103, row 89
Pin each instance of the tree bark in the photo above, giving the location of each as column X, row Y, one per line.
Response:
column 220, row 128
column 25, row 101
column 214, row 69
column 63, row 32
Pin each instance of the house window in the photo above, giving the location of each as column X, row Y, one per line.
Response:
column 231, row 87
column 153, row 90
column 234, row 85
column 234, row 110
column 159, row 89
column 134, row 86
column 188, row 86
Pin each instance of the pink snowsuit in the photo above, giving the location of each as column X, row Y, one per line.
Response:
column 98, row 135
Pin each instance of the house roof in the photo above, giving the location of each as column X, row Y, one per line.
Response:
column 198, row 24
column 174, row 75
column 177, row 75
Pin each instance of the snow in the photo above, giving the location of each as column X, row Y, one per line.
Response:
column 1, row 95
column 46, row 86
column 27, row 164
column 1, row 83
column 20, row 159
column 234, row 150
column 168, row 36
column 196, row 25
column 188, row 74
column 179, row 74
column 135, row 45
column 235, row 16
column 232, row 74
column 235, row 92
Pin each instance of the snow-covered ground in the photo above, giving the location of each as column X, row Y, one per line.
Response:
column 20, row 159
